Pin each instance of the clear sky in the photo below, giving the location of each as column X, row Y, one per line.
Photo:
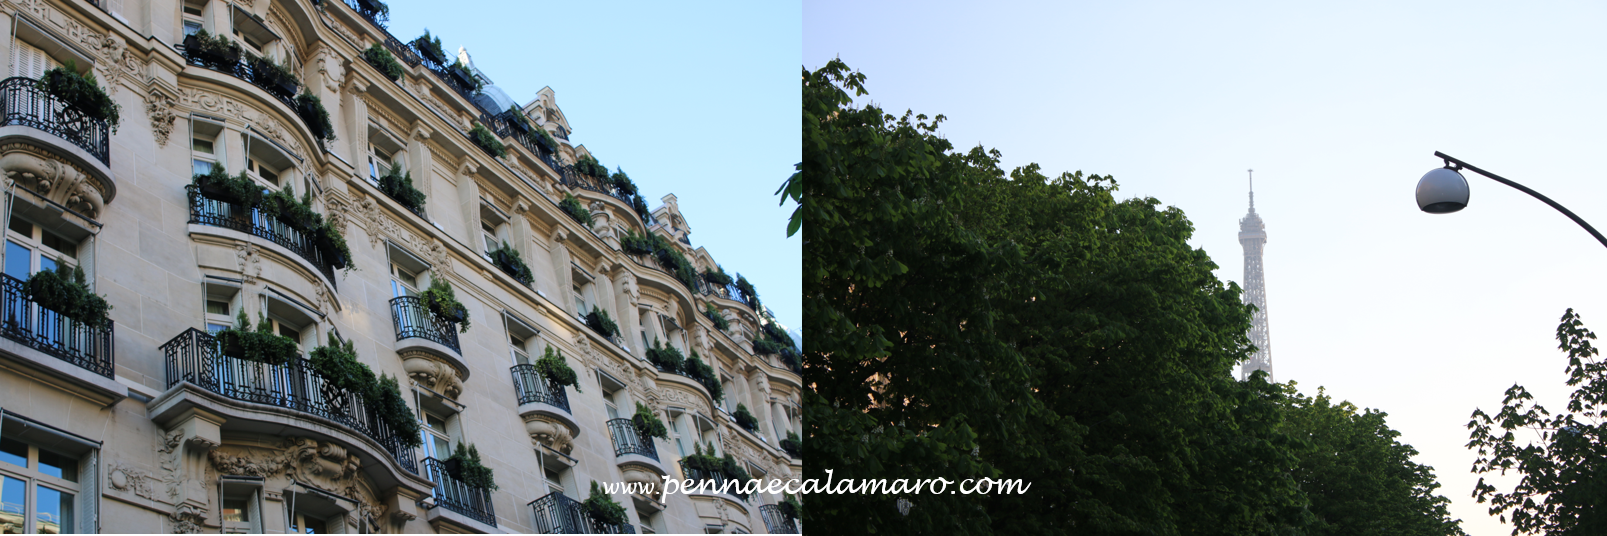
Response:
column 1339, row 109
column 698, row 99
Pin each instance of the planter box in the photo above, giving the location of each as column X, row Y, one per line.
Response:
column 453, row 468
column 225, row 60
column 428, row 52
column 516, row 124
column 217, row 192
column 370, row 7
column 463, row 77
column 326, row 247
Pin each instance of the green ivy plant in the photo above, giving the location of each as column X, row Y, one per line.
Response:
column 622, row 182
column 791, row 508
column 713, row 314
column 475, row 473
column 555, row 369
column 598, row 320
column 81, row 92
column 507, row 259
column 717, row 276
column 664, row 251
column 573, row 208
column 746, row 419
column 440, row 298
column 66, row 291
column 298, row 214
column 648, row 423
column 642, row 212
column 748, row 292
column 666, row 357
column 261, row 345
column 312, row 112
column 704, row 374
column 398, row 184
column 382, row 60
column 603, row 508
column 488, row 141
column 385, row 399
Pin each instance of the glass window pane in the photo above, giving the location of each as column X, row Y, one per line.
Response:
column 55, row 513
column 13, row 504
column 57, row 465
column 14, row 452
column 200, row 167
column 289, row 331
column 202, row 146
column 47, row 264
column 62, row 245
column 214, row 328
column 234, row 511
column 22, row 227
column 217, row 307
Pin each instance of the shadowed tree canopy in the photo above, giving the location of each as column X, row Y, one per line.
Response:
column 966, row 322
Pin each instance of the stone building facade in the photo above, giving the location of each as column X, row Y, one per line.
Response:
column 150, row 425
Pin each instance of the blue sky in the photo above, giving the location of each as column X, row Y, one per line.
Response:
column 1339, row 108
column 698, row 99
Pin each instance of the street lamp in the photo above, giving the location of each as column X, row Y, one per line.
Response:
column 1443, row 191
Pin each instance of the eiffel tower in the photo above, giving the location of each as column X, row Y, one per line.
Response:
column 1253, row 235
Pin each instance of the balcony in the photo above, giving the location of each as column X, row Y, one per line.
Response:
column 195, row 357
column 544, row 406
column 629, row 441
column 775, row 522
column 452, row 494
column 556, row 513
column 87, row 347
column 712, row 482
column 23, row 103
column 254, row 222
column 415, row 321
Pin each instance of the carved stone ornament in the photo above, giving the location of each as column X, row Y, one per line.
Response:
column 550, row 433
column 249, row 257
column 323, row 464
column 59, row 181
column 187, row 519
column 382, row 225
column 130, row 479
column 432, row 373
column 211, row 103
column 159, row 106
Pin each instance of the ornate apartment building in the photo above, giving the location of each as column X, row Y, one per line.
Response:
column 156, row 422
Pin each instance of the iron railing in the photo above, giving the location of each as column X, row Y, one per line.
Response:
column 196, row 357
column 457, row 496
column 88, row 347
column 713, row 482
column 25, row 104
column 412, row 319
column 556, row 513
column 260, row 224
column 244, row 69
column 629, row 440
column 374, row 16
column 776, row 522
column 531, row 386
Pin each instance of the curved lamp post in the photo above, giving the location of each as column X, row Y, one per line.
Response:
column 1443, row 191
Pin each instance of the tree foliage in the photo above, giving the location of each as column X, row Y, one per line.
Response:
column 1564, row 483
column 966, row 322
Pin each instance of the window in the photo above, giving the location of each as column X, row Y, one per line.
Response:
column 316, row 512
column 262, row 171
column 493, row 228
column 30, row 248
column 221, row 303
column 613, row 408
column 379, row 163
column 580, row 302
column 241, row 508
column 46, row 479
column 437, row 440
column 267, row 163
column 250, row 30
column 205, row 149
column 289, row 319
column 489, row 234
column 407, row 272
column 30, row 61
column 674, row 415
column 554, row 481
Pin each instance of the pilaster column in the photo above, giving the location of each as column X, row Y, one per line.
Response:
column 355, row 110
column 469, row 202
column 560, row 267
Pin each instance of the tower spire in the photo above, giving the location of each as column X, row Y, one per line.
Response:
column 1253, row 236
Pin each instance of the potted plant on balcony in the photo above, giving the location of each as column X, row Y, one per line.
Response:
column 218, row 185
column 599, row 321
column 637, row 244
column 373, row 8
column 430, row 48
column 717, row 276
column 622, row 182
column 312, row 112
column 790, row 507
column 553, row 367
column 748, row 293
column 442, row 302
column 642, row 212
column 588, row 165
column 488, row 141
column 296, row 214
column 343, row 376
column 746, row 419
column 277, row 78
column 464, row 77
column 732, row 469
column 507, row 259
column 603, row 508
column 260, row 345
column 382, row 60
column 517, row 120
column 398, row 185
column 704, row 374
column 80, row 92
column 65, row 291
column 215, row 50
column 544, row 140
column 386, row 402
column 332, row 246
column 713, row 314
column 571, row 206
column 666, row 357
column 465, row 466
column 648, row 424
column 793, row 445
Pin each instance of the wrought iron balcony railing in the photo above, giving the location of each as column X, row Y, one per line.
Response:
column 413, row 320
column 25, row 104
column 628, row 440
column 531, row 386
column 87, row 347
column 259, row 224
column 556, row 513
column 777, row 523
column 452, row 494
column 196, row 357
column 708, row 481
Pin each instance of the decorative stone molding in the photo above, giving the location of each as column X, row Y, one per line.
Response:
column 214, row 104
column 249, row 257
column 159, row 107
column 322, row 464
column 55, row 178
column 187, row 519
column 432, row 373
column 551, row 433
column 130, row 479
column 382, row 225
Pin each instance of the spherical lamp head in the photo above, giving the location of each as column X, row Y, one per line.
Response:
column 1442, row 191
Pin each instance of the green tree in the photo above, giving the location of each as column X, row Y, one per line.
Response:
column 1564, row 484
